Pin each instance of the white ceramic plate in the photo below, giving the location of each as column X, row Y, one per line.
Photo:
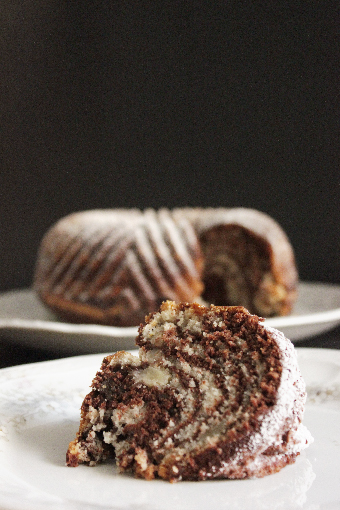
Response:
column 23, row 318
column 39, row 415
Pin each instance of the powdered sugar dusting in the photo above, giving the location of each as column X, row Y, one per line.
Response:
column 291, row 396
column 285, row 415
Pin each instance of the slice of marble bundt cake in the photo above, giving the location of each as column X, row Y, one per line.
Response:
column 212, row 394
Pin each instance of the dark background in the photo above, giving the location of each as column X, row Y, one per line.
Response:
column 151, row 104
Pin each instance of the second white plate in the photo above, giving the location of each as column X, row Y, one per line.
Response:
column 24, row 319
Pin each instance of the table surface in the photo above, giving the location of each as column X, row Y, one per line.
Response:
column 13, row 353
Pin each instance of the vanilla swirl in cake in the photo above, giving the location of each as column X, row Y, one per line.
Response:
column 213, row 394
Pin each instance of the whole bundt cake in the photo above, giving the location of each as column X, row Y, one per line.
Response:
column 114, row 267
column 213, row 394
